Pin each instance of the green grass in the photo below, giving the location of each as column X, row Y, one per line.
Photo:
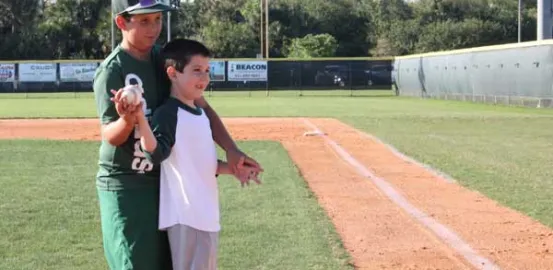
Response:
column 503, row 152
column 51, row 221
column 79, row 105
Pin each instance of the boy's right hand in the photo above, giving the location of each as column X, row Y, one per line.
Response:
column 124, row 110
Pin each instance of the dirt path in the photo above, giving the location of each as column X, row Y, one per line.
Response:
column 379, row 230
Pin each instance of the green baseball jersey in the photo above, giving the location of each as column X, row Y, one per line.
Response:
column 125, row 166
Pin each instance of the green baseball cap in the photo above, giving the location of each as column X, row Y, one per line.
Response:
column 133, row 7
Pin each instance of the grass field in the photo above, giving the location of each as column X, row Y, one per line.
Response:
column 503, row 152
column 49, row 198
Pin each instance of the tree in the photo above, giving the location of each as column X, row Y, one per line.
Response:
column 310, row 46
column 19, row 38
column 449, row 35
column 70, row 26
column 229, row 39
column 400, row 39
column 81, row 29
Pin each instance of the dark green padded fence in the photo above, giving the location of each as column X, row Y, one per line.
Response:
column 281, row 74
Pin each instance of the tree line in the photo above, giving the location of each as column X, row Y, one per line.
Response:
column 81, row 29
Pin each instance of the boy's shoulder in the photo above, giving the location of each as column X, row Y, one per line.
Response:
column 112, row 58
column 168, row 108
column 116, row 58
column 111, row 62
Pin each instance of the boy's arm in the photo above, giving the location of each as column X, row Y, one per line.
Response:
column 156, row 141
column 118, row 132
column 244, row 175
column 148, row 141
column 223, row 168
column 220, row 133
column 117, row 120
column 225, row 141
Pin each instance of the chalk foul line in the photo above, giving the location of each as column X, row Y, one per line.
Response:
column 397, row 153
column 441, row 231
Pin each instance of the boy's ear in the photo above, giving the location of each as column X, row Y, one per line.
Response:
column 121, row 22
column 171, row 72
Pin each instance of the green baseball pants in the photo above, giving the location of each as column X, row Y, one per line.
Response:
column 131, row 238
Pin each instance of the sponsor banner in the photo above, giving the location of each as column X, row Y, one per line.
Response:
column 247, row 70
column 7, row 73
column 37, row 72
column 77, row 72
column 217, row 71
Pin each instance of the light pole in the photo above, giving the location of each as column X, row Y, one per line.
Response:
column 545, row 19
column 174, row 4
column 519, row 20
column 261, row 48
column 112, row 27
column 267, row 28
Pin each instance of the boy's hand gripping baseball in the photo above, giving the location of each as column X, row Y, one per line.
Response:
column 124, row 110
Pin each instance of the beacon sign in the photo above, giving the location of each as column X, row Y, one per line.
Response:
column 247, row 70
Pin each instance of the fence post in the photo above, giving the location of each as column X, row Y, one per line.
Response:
column 350, row 81
column 16, row 77
column 301, row 76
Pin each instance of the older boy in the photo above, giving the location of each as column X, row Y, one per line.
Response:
column 127, row 182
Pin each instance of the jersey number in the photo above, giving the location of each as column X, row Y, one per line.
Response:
column 139, row 162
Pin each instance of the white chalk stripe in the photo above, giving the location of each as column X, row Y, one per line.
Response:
column 439, row 174
column 441, row 231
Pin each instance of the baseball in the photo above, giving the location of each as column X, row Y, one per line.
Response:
column 131, row 94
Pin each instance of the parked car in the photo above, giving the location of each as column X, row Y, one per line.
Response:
column 379, row 75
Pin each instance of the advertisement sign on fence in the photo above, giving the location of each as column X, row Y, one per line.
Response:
column 7, row 72
column 77, row 72
column 36, row 72
column 247, row 70
column 217, row 71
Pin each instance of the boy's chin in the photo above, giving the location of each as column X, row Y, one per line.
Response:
column 196, row 96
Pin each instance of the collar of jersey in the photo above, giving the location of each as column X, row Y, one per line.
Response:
column 195, row 111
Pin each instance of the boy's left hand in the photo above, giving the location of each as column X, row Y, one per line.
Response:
column 237, row 159
column 246, row 173
column 128, row 112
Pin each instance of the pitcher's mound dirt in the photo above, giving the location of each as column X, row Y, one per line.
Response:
column 375, row 231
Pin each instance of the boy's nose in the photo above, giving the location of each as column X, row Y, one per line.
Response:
column 205, row 77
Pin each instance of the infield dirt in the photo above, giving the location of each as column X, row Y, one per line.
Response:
column 377, row 231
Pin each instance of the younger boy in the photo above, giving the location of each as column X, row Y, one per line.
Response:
column 189, row 205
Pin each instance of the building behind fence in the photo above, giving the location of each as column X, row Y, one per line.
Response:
column 226, row 74
column 514, row 74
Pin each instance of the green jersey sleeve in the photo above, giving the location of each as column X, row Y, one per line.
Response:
column 106, row 79
column 164, row 127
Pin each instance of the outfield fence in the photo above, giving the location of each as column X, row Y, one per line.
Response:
column 511, row 74
column 303, row 76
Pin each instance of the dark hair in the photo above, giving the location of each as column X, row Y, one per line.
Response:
column 178, row 52
column 126, row 16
